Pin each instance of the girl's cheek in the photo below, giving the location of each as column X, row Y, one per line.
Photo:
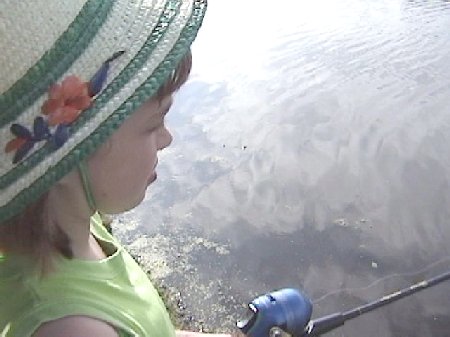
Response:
column 149, row 143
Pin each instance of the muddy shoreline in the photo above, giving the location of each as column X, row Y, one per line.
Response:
column 170, row 258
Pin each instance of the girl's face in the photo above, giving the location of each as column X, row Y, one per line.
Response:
column 123, row 167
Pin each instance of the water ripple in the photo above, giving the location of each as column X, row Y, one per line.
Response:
column 314, row 137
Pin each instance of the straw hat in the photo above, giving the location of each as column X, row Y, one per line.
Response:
column 70, row 72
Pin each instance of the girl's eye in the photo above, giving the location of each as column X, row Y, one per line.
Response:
column 155, row 123
column 156, row 126
column 153, row 129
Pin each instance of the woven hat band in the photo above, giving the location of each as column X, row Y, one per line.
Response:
column 154, row 36
column 37, row 62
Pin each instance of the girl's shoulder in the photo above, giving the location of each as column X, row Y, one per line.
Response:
column 75, row 326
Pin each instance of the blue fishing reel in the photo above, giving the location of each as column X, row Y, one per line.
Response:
column 283, row 311
column 288, row 312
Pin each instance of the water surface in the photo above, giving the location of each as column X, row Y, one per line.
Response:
column 311, row 150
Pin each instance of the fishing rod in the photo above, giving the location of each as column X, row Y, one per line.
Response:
column 287, row 312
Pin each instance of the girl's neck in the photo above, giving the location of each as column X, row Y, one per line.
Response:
column 69, row 210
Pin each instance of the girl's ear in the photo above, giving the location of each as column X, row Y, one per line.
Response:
column 104, row 149
column 67, row 196
column 69, row 180
column 66, row 182
column 68, row 191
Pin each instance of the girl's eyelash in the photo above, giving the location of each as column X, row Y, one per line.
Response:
column 154, row 127
column 156, row 124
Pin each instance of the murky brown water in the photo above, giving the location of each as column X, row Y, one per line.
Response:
column 312, row 150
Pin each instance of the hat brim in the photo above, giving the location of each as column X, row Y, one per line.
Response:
column 154, row 36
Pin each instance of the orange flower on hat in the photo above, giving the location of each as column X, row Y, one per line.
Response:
column 66, row 101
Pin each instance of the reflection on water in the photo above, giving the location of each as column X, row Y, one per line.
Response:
column 313, row 139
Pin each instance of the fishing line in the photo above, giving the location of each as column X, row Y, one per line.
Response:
column 384, row 278
column 288, row 311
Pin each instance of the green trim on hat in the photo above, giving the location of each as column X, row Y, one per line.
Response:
column 89, row 145
column 170, row 11
column 50, row 67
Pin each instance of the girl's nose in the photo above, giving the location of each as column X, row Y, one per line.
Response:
column 164, row 139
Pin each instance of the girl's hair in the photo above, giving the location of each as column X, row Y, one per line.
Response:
column 32, row 233
column 178, row 77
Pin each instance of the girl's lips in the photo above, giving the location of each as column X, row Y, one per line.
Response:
column 152, row 178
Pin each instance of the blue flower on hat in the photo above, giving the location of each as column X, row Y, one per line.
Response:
column 66, row 101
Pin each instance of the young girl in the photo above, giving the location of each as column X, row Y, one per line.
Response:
column 85, row 87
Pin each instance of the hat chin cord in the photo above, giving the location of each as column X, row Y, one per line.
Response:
column 87, row 186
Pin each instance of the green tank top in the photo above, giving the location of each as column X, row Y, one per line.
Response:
column 115, row 290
